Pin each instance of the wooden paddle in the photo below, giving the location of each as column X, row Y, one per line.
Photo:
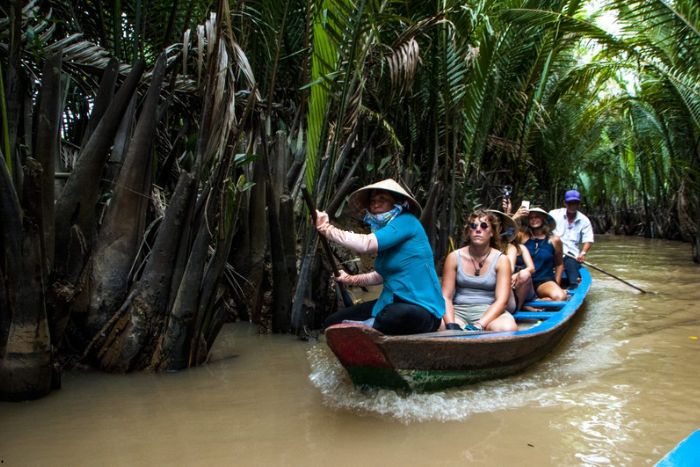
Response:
column 344, row 294
column 608, row 273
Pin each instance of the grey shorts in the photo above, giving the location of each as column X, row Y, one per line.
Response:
column 471, row 313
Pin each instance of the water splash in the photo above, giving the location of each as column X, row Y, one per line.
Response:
column 455, row 404
column 338, row 392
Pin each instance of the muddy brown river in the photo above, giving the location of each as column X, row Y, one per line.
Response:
column 622, row 389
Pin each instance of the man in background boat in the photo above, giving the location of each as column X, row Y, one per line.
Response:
column 576, row 233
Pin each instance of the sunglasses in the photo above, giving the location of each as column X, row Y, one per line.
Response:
column 483, row 225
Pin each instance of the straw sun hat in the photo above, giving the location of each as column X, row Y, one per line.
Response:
column 508, row 228
column 359, row 199
column 547, row 218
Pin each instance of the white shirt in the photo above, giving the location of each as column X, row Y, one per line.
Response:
column 572, row 234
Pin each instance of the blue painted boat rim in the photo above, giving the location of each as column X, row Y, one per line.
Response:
column 685, row 454
column 553, row 318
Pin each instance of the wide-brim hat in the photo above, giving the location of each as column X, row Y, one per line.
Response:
column 508, row 227
column 548, row 218
column 359, row 199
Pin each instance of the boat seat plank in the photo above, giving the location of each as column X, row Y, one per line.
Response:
column 532, row 315
column 545, row 304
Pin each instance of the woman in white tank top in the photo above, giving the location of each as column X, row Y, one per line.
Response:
column 476, row 279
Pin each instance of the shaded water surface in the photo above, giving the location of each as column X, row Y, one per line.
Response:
column 621, row 389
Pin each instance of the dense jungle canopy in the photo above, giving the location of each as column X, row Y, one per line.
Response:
column 153, row 151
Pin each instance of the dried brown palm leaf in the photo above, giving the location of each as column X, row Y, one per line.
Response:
column 354, row 107
column 418, row 28
column 200, row 53
column 185, row 50
column 403, row 63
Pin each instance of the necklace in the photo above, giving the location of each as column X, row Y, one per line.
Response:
column 478, row 264
column 538, row 242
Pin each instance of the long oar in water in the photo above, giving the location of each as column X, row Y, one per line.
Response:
column 608, row 273
column 344, row 294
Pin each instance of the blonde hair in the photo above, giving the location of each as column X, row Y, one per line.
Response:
column 494, row 225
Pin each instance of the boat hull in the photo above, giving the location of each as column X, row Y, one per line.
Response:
column 434, row 361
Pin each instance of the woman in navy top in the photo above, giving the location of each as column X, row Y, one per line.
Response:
column 411, row 300
column 546, row 251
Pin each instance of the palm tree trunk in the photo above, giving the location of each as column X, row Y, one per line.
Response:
column 25, row 367
column 258, row 239
column 10, row 257
column 281, row 285
column 124, row 224
column 132, row 346
column 174, row 349
column 75, row 208
column 47, row 144
column 14, row 92
column 103, row 98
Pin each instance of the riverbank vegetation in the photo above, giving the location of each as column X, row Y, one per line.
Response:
column 153, row 152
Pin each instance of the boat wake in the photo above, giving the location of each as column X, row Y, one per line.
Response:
column 544, row 384
column 338, row 392
column 533, row 387
column 556, row 380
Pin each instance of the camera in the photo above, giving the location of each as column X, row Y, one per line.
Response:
column 507, row 190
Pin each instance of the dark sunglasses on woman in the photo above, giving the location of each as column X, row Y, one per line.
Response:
column 483, row 225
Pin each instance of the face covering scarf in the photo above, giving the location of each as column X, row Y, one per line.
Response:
column 377, row 221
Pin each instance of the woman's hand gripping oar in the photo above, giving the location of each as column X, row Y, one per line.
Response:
column 608, row 273
column 344, row 294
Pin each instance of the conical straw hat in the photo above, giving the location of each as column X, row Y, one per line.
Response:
column 548, row 219
column 359, row 199
column 508, row 228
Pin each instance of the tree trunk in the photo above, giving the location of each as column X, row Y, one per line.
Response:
column 10, row 251
column 148, row 299
column 174, row 349
column 122, row 140
column 124, row 224
column 289, row 236
column 14, row 81
column 223, row 212
column 25, row 367
column 302, row 306
column 47, row 144
column 103, row 98
column 192, row 300
column 258, row 239
column 281, row 286
column 75, row 208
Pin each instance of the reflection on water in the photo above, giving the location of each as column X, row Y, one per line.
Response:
column 621, row 389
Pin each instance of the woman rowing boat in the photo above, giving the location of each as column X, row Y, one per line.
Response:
column 411, row 300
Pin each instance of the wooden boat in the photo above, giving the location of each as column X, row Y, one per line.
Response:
column 433, row 361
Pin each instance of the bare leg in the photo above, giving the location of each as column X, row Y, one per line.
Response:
column 525, row 291
column 503, row 323
column 550, row 290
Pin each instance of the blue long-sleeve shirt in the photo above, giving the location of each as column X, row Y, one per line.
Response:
column 405, row 262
